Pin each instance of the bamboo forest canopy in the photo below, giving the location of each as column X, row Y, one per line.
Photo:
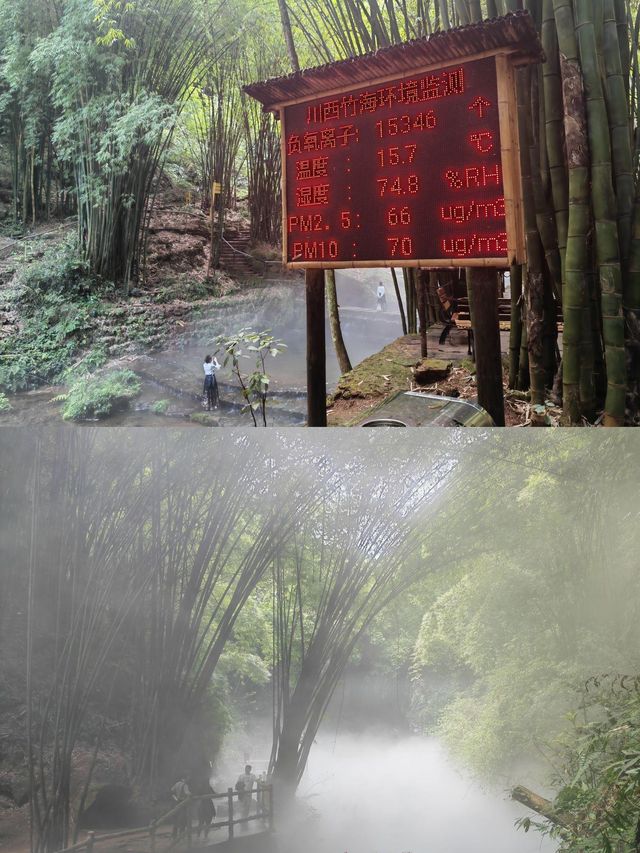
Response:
column 101, row 100
column 148, row 599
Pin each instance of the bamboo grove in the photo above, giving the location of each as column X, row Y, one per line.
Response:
column 139, row 581
column 95, row 99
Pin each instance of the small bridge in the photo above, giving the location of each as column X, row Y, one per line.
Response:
column 177, row 830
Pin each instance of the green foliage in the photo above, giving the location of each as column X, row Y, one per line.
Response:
column 61, row 270
column 598, row 770
column 99, row 396
column 248, row 344
column 530, row 610
column 5, row 405
column 59, row 307
column 160, row 407
column 188, row 288
column 204, row 419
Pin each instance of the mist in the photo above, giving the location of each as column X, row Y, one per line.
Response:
column 398, row 633
column 376, row 794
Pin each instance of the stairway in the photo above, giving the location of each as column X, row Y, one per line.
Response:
column 232, row 259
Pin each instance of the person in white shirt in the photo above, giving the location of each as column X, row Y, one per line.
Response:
column 210, row 390
column 382, row 299
column 244, row 787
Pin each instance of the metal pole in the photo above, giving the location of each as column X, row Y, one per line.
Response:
column 230, row 810
column 90, row 841
column 316, row 350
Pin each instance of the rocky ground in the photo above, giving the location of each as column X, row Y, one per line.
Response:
column 397, row 368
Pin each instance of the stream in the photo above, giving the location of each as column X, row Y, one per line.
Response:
column 375, row 794
column 174, row 374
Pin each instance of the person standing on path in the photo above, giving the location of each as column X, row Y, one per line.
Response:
column 179, row 793
column 244, row 787
column 210, row 390
column 382, row 299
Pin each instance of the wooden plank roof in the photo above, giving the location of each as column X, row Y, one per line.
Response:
column 514, row 32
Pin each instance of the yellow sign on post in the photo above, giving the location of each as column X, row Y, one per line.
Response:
column 216, row 189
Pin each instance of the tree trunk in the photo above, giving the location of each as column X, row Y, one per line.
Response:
column 410, row 295
column 334, row 321
column 403, row 319
column 515, row 333
column 574, row 286
column 288, row 35
column 605, row 215
column 534, row 277
column 538, row 804
column 422, row 280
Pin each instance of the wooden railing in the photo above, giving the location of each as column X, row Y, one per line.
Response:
column 263, row 804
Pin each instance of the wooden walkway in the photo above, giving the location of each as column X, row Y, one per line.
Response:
column 238, row 833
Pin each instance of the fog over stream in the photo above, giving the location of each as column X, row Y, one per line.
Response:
column 377, row 794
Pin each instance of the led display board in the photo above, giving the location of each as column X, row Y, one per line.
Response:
column 419, row 170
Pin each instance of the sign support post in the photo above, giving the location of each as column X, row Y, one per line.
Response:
column 316, row 349
column 487, row 343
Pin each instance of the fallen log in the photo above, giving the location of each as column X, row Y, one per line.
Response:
column 538, row 804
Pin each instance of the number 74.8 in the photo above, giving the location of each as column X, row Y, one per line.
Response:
column 398, row 185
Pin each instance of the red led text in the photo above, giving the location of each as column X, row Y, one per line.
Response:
column 402, row 171
column 316, row 168
column 316, row 250
column 311, row 222
column 400, row 246
column 321, row 140
column 429, row 88
column 476, row 245
column 308, row 196
column 473, row 210
column 405, row 124
column 471, row 177
column 396, row 155
column 399, row 185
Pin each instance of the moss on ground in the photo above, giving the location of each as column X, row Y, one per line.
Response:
column 204, row 419
column 378, row 376
column 381, row 373
column 100, row 396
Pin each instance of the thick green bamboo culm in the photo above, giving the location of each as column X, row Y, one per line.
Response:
column 618, row 111
column 632, row 306
column 587, row 352
column 553, row 127
column 533, row 281
column 605, row 215
column 523, row 367
column 574, row 285
column 544, row 215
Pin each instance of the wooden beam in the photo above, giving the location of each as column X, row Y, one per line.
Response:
column 316, row 350
column 425, row 68
column 435, row 263
column 537, row 804
column 487, row 343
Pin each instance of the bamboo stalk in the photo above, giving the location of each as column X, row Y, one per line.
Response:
column 515, row 331
column 574, row 292
column 605, row 215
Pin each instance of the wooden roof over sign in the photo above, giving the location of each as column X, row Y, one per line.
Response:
column 514, row 33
